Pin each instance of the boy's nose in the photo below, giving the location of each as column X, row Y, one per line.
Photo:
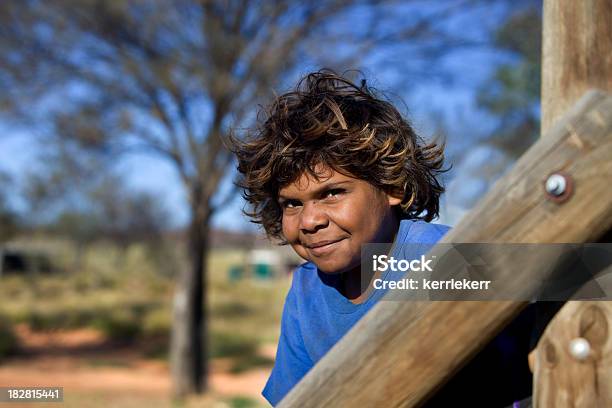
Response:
column 312, row 217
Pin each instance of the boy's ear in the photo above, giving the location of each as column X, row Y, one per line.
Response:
column 393, row 200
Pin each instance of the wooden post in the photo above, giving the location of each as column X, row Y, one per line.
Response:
column 576, row 56
column 384, row 360
column 573, row 361
column 576, row 53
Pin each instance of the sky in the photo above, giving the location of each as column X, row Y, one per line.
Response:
column 146, row 173
column 427, row 99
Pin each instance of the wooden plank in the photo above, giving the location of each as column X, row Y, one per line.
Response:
column 400, row 352
column 563, row 378
column 576, row 53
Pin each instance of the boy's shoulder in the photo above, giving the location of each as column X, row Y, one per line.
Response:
column 420, row 232
column 304, row 277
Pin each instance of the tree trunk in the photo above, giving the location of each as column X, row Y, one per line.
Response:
column 1, row 261
column 188, row 346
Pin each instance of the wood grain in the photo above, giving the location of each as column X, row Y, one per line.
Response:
column 561, row 380
column 576, row 53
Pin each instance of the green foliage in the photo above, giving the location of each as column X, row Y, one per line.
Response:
column 157, row 322
column 43, row 320
column 8, row 223
column 248, row 362
column 132, row 304
column 243, row 350
column 103, row 208
column 8, row 339
column 522, row 34
column 513, row 88
column 77, row 225
column 121, row 322
column 233, row 309
column 242, row 402
column 8, row 218
column 513, row 93
column 227, row 344
column 119, row 325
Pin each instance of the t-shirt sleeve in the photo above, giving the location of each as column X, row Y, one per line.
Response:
column 292, row 362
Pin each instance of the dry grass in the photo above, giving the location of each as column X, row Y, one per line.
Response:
column 127, row 297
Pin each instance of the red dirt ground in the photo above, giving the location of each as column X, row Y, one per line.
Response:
column 82, row 361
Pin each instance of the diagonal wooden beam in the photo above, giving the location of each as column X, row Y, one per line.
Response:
column 401, row 352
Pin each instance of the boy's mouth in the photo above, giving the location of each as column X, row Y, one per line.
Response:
column 323, row 247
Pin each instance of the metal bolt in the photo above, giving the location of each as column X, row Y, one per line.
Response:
column 556, row 185
column 580, row 348
column 559, row 187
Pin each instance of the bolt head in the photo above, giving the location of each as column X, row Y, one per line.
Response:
column 580, row 348
column 556, row 184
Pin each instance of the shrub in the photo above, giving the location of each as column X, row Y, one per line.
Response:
column 224, row 344
column 8, row 339
column 242, row 402
column 118, row 325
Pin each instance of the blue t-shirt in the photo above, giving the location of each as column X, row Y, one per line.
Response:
column 316, row 315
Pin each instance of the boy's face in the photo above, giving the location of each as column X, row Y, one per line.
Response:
column 327, row 220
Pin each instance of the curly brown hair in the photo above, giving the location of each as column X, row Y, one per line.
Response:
column 328, row 120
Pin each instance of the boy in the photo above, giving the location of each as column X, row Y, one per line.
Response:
column 331, row 168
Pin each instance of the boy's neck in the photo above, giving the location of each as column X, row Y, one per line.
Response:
column 351, row 286
column 352, row 280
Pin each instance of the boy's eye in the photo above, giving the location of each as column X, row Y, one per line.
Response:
column 290, row 203
column 334, row 192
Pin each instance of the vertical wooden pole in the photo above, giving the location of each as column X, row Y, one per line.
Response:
column 572, row 363
column 576, row 53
